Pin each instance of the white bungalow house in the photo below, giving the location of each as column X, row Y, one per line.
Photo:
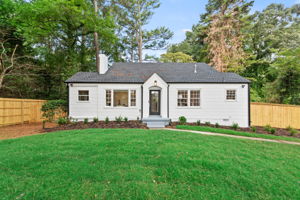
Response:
column 159, row 92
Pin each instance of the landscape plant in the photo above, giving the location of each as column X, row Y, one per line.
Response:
column 182, row 120
column 235, row 126
column 85, row 120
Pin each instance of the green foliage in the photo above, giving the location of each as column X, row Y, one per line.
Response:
column 293, row 131
column 268, row 128
column 198, row 122
column 85, row 120
column 207, row 123
column 273, row 130
column 54, row 108
column 177, row 57
column 235, row 126
column 106, row 120
column 182, row 120
column 217, row 125
column 125, row 119
column 95, row 120
column 62, row 121
column 119, row 119
column 253, row 129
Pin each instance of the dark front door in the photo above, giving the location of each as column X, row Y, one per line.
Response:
column 154, row 102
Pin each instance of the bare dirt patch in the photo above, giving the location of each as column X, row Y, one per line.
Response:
column 20, row 130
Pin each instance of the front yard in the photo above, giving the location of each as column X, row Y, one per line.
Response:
column 146, row 164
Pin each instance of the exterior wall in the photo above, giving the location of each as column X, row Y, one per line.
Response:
column 213, row 105
column 164, row 95
column 96, row 107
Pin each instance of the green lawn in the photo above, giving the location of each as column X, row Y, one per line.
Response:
column 146, row 164
column 233, row 132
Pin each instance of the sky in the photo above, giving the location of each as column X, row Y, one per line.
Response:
column 180, row 15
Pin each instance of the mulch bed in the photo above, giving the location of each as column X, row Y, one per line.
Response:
column 100, row 124
column 259, row 129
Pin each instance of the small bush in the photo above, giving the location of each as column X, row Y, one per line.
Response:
column 125, row 119
column 217, row 125
column 293, row 132
column 272, row 130
column 138, row 119
column 253, row 129
column 106, row 120
column 207, row 123
column 289, row 128
column 267, row 128
column 235, row 126
column 62, row 121
column 198, row 123
column 182, row 120
column 119, row 119
column 86, row 120
column 54, row 108
column 95, row 120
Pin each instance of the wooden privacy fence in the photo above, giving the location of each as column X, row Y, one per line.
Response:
column 16, row 111
column 276, row 115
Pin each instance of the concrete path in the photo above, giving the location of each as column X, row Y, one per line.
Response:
column 234, row 136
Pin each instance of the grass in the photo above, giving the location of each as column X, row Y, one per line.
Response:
column 146, row 164
column 233, row 132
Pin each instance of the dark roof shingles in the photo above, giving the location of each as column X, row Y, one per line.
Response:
column 170, row 72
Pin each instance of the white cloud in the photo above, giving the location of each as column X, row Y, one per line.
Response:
column 186, row 30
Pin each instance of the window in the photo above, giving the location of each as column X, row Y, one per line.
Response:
column 108, row 97
column 120, row 98
column 230, row 95
column 182, row 98
column 132, row 98
column 195, row 98
column 83, row 95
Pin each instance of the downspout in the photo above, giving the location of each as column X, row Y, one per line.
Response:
column 142, row 93
column 168, row 114
column 68, row 88
column 249, row 104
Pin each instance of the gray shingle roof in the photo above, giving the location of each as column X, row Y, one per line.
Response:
column 170, row 72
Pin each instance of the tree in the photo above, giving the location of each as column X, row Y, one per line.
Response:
column 286, row 72
column 177, row 57
column 134, row 15
column 225, row 19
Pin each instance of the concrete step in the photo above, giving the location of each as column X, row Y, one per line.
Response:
column 156, row 122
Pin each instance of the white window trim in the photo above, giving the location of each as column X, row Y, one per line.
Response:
column 189, row 99
column 230, row 100
column 129, row 98
column 78, row 101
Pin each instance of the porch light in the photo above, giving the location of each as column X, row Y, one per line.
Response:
column 155, row 83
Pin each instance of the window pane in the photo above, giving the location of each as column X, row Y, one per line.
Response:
column 182, row 98
column 230, row 94
column 133, row 98
column 195, row 98
column 108, row 97
column 83, row 95
column 120, row 98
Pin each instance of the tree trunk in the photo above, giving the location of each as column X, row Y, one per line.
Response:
column 140, row 45
column 96, row 44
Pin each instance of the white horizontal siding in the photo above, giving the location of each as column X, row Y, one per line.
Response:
column 214, row 107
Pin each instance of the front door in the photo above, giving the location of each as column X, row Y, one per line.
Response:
column 154, row 102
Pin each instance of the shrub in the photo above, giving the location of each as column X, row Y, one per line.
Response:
column 217, row 125
column 267, row 128
column 182, row 120
column 207, row 123
column 95, row 120
column 54, row 108
column 106, row 120
column 86, row 120
column 293, row 132
column 272, row 130
column 62, row 121
column 289, row 128
column 198, row 123
column 125, row 119
column 235, row 126
column 253, row 129
column 119, row 119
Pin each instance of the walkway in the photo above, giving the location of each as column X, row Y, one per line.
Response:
column 234, row 136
